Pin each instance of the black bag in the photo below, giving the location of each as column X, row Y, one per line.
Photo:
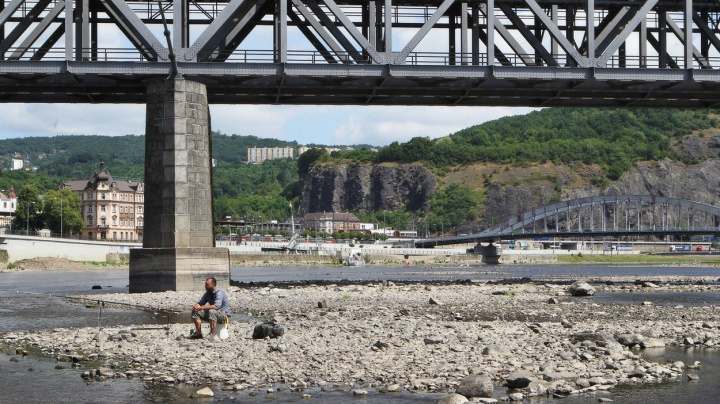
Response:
column 267, row 329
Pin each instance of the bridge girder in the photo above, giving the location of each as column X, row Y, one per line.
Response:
column 644, row 53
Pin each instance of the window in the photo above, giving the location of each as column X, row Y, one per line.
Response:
column 90, row 209
column 102, row 222
column 89, row 220
column 90, row 235
column 114, row 208
column 102, row 208
column 102, row 196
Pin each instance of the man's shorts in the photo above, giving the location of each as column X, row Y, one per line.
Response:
column 209, row 315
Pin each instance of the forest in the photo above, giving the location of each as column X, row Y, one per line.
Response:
column 613, row 139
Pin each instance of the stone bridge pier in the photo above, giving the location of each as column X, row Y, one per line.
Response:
column 179, row 250
column 491, row 253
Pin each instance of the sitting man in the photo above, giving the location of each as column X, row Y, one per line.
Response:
column 212, row 307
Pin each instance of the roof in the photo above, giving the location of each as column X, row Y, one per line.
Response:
column 336, row 216
column 104, row 177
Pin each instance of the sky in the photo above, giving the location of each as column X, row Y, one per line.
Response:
column 326, row 125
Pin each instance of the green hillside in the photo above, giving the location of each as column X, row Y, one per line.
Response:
column 612, row 139
column 615, row 139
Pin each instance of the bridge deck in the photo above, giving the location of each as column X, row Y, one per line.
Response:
column 642, row 53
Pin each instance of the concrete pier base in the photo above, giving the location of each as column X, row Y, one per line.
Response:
column 160, row 269
column 179, row 250
column 490, row 253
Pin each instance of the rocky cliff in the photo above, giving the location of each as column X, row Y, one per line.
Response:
column 365, row 188
column 508, row 190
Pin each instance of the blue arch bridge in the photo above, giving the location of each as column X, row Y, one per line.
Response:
column 597, row 217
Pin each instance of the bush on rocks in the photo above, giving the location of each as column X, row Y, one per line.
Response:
column 519, row 379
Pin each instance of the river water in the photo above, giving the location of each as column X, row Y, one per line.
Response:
column 43, row 380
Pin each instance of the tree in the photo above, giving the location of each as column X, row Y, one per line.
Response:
column 453, row 206
column 28, row 208
column 306, row 160
column 61, row 211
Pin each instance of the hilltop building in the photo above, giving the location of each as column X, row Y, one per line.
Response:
column 257, row 155
column 17, row 164
column 8, row 204
column 111, row 210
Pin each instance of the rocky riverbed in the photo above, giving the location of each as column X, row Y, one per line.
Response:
column 57, row 264
column 532, row 337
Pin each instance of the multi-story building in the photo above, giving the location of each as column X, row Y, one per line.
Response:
column 17, row 164
column 8, row 204
column 111, row 210
column 259, row 154
column 335, row 222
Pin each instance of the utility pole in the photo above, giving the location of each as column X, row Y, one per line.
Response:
column 27, row 228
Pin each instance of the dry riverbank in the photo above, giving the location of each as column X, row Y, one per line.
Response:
column 391, row 337
column 58, row 264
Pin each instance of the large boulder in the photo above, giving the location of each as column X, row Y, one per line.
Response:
column 476, row 386
column 581, row 289
column 453, row 399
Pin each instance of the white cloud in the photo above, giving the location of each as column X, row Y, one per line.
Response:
column 265, row 121
column 383, row 125
column 71, row 119
column 331, row 125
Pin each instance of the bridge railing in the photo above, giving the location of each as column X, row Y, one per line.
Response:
column 111, row 54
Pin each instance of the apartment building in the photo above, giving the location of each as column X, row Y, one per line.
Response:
column 111, row 209
column 257, row 155
column 8, row 204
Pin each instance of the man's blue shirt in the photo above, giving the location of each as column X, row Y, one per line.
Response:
column 217, row 298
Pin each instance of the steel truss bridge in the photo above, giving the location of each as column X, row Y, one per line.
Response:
column 601, row 216
column 613, row 53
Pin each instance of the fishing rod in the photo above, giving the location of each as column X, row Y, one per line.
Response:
column 147, row 307
column 157, row 310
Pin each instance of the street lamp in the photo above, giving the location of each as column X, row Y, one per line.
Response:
column 61, row 215
column 27, row 228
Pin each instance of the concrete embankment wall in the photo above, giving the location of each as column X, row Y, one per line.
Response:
column 16, row 248
column 383, row 259
column 27, row 247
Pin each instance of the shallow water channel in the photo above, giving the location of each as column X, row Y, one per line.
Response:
column 43, row 380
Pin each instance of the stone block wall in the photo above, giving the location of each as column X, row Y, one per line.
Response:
column 178, row 192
